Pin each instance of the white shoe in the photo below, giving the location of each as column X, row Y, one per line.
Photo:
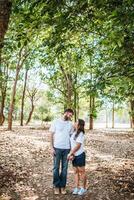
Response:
column 75, row 191
column 82, row 191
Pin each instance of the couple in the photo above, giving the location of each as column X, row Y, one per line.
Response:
column 67, row 144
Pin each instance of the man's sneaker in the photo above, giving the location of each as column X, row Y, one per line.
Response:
column 82, row 191
column 75, row 191
column 63, row 191
column 56, row 191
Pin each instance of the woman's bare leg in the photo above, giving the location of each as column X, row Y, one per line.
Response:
column 76, row 177
column 83, row 177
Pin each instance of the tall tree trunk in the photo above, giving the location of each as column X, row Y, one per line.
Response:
column 113, row 111
column 2, row 117
column 30, row 114
column 78, row 107
column 76, row 97
column 132, row 112
column 91, row 121
column 69, row 87
column 21, row 60
column 11, row 108
column 131, row 124
column 5, row 10
column 69, row 92
column 75, row 106
column 23, row 98
column 106, row 118
column 92, row 106
column 3, row 93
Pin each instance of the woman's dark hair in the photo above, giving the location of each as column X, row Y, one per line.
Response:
column 81, row 124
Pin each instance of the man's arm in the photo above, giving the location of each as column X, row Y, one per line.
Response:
column 52, row 132
column 52, row 143
column 51, row 140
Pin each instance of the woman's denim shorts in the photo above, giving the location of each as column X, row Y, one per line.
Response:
column 80, row 160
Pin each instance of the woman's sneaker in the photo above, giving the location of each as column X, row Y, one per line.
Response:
column 82, row 191
column 75, row 191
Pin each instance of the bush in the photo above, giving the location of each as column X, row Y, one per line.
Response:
column 47, row 118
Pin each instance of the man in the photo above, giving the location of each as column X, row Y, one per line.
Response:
column 61, row 129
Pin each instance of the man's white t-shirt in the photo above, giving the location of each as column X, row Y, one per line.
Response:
column 80, row 139
column 62, row 130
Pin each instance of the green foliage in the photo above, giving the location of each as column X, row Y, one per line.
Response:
column 82, row 46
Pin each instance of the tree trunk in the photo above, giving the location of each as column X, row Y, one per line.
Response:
column 20, row 63
column 2, row 117
column 11, row 108
column 69, row 92
column 132, row 112
column 76, row 97
column 75, row 106
column 131, row 125
column 30, row 114
column 113, row 110
column 3, row 93
column 23, row 98
column 106, row 118
column 5, row 10
column 69, row 87
column 91, row 119
column 78, row 106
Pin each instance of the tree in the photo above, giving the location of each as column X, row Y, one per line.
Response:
column 3, row 89
column 5, row 10
column 32, row 96
column 22, row 45
column 23, row 54
column 132, row 112
column 84, row 55
column 23, row 97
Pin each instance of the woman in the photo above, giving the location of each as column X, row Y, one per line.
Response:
column 77, row 155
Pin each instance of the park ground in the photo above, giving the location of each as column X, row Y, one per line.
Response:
column 26, row 165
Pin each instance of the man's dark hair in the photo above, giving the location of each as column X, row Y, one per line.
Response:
column 69, row 110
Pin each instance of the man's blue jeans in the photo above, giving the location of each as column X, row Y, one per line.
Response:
column 60, row 176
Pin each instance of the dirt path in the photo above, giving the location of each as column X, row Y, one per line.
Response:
column 26, row 166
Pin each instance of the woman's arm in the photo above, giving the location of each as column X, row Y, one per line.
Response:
column 76, row 148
